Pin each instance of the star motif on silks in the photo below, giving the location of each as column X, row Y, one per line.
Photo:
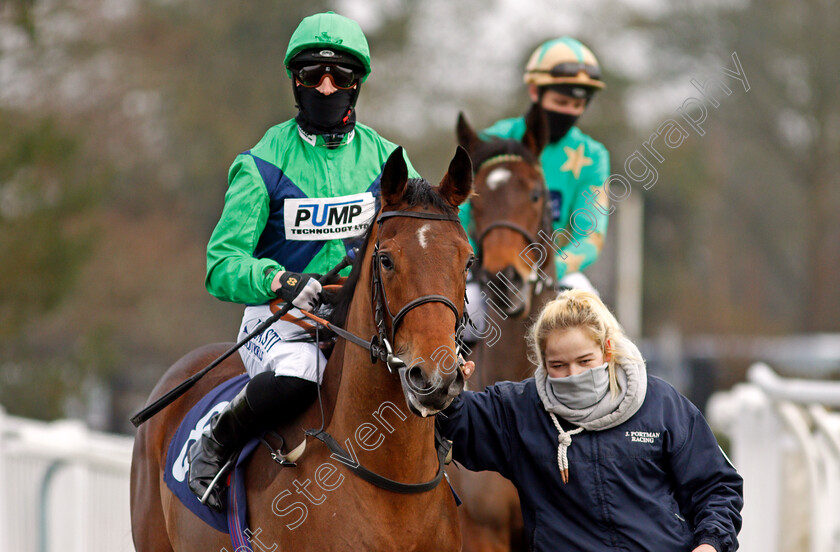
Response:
column 577, row 160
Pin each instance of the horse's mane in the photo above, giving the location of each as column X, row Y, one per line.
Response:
column 501, row 146
column 418, row 193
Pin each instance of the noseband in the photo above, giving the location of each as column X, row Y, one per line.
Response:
column 530, row 238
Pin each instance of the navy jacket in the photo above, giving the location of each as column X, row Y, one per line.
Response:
column 658, row 482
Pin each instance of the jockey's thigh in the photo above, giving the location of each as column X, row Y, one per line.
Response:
column 277, row 348
column 577, row 280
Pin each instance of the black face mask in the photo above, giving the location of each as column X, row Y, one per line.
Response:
column 320, row 114
column 559, row 124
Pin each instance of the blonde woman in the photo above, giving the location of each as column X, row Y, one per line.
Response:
column 604, row 456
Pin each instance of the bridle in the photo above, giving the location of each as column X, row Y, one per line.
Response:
column 480, row 272
column 381, row 345
column 381, row 349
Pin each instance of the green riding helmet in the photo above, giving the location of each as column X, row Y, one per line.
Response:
column 335, row 34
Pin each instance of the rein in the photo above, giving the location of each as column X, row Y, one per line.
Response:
column 380, row 349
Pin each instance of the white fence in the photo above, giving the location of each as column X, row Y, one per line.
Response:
column 62, row 488
column 785, row 442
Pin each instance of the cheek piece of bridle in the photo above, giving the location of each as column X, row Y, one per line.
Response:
column 381, row 349
column 542, row 192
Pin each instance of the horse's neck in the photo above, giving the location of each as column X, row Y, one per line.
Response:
column 507, row 358
column 370, row 408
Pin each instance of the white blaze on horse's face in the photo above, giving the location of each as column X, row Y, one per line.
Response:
column 498, row 177
column 421, row 235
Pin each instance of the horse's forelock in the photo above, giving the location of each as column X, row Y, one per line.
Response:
column 420, row 193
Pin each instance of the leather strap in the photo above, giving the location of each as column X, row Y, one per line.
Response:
column 383, row 482
column 421, row 301
column 418, row 214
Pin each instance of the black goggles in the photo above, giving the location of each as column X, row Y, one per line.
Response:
column 311, row 76
column 570, row 69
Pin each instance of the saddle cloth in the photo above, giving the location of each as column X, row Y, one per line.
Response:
column 176, row 469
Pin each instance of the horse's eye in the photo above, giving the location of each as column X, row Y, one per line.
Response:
column 386, row 262
column 536, row 195
column 470, row 262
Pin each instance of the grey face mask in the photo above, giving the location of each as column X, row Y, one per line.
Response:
column 582, row 390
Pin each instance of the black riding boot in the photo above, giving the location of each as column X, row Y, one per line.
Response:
column 266, row 401
column 229, row 430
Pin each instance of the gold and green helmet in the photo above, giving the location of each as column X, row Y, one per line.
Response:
column 563, row 60
column 329, row 37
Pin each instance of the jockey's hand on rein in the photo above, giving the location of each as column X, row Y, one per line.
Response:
column 301, row 290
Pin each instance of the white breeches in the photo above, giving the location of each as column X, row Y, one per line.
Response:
column 277, row 348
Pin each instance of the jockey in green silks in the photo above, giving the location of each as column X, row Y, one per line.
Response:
column 296, row 204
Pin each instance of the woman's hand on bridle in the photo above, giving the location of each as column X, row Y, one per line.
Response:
column 468, row 369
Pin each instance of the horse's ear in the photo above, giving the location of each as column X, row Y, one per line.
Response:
column 394, row 178
column 456, row 185
column 467, row 137
column 536, row 129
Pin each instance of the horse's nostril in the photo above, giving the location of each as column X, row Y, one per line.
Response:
column 512, row 275
column 416, row 379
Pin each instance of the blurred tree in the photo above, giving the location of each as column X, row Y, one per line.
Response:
column 751, row 209
column 20, row 12
column 47, row 192
column 155, row 100
column 217, row 75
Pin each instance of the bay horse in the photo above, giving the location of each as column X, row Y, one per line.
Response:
column 414, row 263
column 509, row 208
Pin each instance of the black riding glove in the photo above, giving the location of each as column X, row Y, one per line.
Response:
column 301, row 290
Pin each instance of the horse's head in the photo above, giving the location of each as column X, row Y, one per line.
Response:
column 509, row 208
column 420, row 263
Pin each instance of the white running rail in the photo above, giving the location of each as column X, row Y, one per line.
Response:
column 785, row 442
column 63, row 487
